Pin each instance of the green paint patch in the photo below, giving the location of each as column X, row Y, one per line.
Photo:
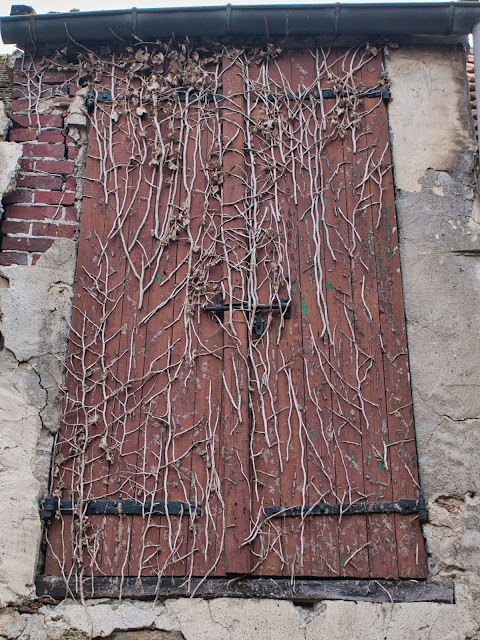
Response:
column 354, row 173
column 317, row 564
column 341, row 559
column 293, row 288
column 389, row 441
column 387, row 228
column 121, row 264
column 313, row 435
column 380, row 465
column 380, row 268
column 158, row 277
column 304, row 308
column 329, row 285
column 354, row 457
column 379, row 495
column 325, row 200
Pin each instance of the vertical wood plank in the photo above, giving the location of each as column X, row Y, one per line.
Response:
column 235, row 409
column 399, row 411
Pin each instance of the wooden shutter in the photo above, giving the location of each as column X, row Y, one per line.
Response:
column 237, row 390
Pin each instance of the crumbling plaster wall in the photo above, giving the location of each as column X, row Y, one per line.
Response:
column 34, row 307
column 433, row 150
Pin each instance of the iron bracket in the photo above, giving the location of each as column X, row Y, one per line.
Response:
column 117, row 507
column 402, row 507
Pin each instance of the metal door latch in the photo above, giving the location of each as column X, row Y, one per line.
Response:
column 259, row 324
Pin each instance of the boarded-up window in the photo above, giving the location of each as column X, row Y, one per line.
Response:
column 237, row 390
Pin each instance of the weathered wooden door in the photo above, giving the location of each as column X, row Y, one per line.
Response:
column 237, row 390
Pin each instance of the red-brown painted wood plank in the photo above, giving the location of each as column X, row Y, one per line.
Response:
column 401, row 445
column 235, row 410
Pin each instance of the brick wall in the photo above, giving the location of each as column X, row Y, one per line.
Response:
column 43, row 206
column 471, row 87
column 5, row 83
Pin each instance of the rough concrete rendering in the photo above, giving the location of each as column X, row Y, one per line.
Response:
column 438, row 226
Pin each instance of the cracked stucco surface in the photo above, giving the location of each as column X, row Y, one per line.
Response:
column 433, row 150
column 34, row 305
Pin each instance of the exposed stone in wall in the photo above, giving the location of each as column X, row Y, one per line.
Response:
column 433, row 148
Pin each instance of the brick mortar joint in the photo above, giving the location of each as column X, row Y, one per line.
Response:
column 55, row 133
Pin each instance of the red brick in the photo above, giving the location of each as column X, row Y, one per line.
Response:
column 19, row 76
column 59, row 91
column 26, row 244
column 71, row 184
column 12, row 257
column 39, row 150
column 54, row 197
column 54, row 230
column 22, row 135
column 40, row 181
column 55, row 166
column 57, row 77
column 36, row 121
column 20, row 105
column 51, row 135
column 71, row 214
column 72, row 152
column 73, row 89
column 13, row 226
column 35, row 257
column 20, row 92
column 27, row 164
column 33, row 212
column 19, row 196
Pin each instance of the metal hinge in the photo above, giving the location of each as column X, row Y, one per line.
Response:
column 117, row 507
column 105, row 96
column 382, row 91
column 402, row 507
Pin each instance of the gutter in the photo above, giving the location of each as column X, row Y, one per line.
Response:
column 265, row 22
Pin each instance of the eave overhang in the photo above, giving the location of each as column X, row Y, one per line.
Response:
column 330, row 21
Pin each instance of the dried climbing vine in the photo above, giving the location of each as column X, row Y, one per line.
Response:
column 202, row 193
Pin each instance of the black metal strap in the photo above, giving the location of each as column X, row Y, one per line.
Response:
column 284, row 306
column 383, row 91
column 118, row 507
column 402, row 507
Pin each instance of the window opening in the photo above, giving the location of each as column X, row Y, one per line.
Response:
column 237, row 387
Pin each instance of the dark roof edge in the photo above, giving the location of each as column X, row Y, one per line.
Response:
column 269, row 21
